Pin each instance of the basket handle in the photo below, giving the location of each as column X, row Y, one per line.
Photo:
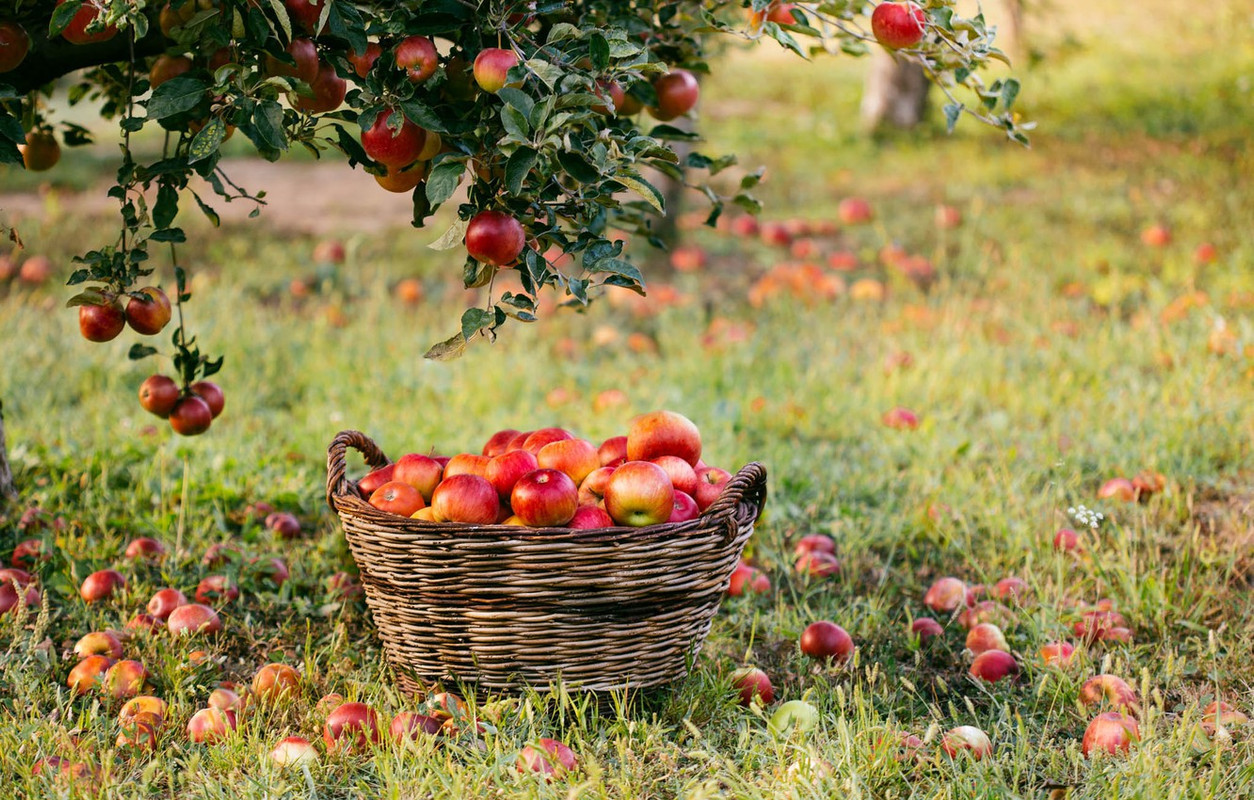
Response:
column 337, row 466
column 749, row 486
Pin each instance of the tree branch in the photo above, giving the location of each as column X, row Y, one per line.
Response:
column 50, row 59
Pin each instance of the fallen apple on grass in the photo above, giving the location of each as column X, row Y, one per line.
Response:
column 750, row 683
column 192, row 619
column 351, row 727
column 294, row 751
column 1110, row 732
column 826, row 641
column 946, row 595
column 794, row 717
column 966, row 739
column 211, row 726
column 747, row 579
column 993, row 666
column 1109, row 689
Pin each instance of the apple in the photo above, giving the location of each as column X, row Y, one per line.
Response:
column 1156, row 236
column 417, row 56
column 150, row 314
column 76, row 32
column 283, row 524
column 855, row 211
column 424, row 514
column 419, row 471
column 445, row 706
column 1110, row 732
column 466, row 498
column 639, row 493
column 87, row 673
column 794, row 716
column 27, row 553
column 518, row 442
column 577, row 458
column 164, row 601
column 273, row 681
column 1206, row 253
column 1111, row 689
column 342, row 585
column 592, row 490
column 993, row 665
column 305, row 55
column 40, row 152
column 900, row 419
column 986, row 636
column 191, row 416
column 221, row 553
column 98, row 643
column 814, row 542
column 1011, row 588
column 925, row 628
column 396, row 497
column 294, row 751
column 306, row 13
column 225, row 699
column 710, row 484
column 1067, row 541
column 1057, row 653
column 677, row 93
column 393, row 149
column 1095, row 625
column 326, row 91
column 685, row 508
column 411, row 726
column 986, row 611
column 897, row 25
column 494, row 237
column 1221, row 715
column 948, row 217
column 125, row 679
column 143, row 704
column 683, row 476
column 270, row 570
column 545, row 498
column 613, row 451
column 373, row 480
column 492, row 67
column 825, row 641
column 745, row 226
column 467, row 464
column 9, row 597
column 536, row 440
column 746, row 579
column 966, row 738
column 193, row 618
column 145, row 548
column 946, row 595
column 663, row 433
column 210, row 725
column 138, row 732
column 364, row 62
column 817, row 564
column 1118, row 489
column 165, row 66
column 14, row 44
column 589, row 517
column 551, row 757
column 101, row 585
column 352, row 726
column 505, row 469
column 1147, row 482
column 218, row 588
column 101, row 323
column 498, row 442
column 143, row 623
column 751, row 682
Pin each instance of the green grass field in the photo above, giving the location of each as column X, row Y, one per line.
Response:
column 1053, row 351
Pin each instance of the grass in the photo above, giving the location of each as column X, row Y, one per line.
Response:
column 1047, row 356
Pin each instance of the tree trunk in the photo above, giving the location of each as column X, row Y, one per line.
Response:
column 895, row 92
column 8, row 492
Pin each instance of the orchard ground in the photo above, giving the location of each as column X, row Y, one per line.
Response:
column 1053, row 350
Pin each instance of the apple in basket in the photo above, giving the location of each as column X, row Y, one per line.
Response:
column 639, row 493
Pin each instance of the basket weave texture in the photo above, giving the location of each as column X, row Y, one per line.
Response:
column 502, row 607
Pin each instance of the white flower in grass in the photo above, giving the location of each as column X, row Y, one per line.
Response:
column 1086, row 516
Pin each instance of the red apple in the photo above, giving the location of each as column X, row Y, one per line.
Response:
column 855, row 211
column 946, row 595
column 212, row 394
column 421, row 472
column 14, row 44
column 273, row 681
column 101, row 585
column 466, row 498
column 639, row 493
column 613, row 451
column 551, row 757
column 144, row 548
column 1110, row 689
column 966, row 738
column 518, row 442
column 1156, row 236
column 993, row 665
column 1057, row 653
column 150, row 314
column 499, row 442
column 575, row 457
column 1117, row 489
column 592, row 490
column 211, row 725
column 897, row 25
column 663, row 433
column 494, row 237
column 1221, row 715
column 505, row 469
column 143, row 623
column 677, row 93
column 125, row 679
column 351, row 726
column 143, row 704
column 164, row 601
column 545, row 498
column 817, row 564
column 417, row 56
column 283, row 524
column 88, row 673
column 101, row 323
column 750, row 682
column 193, row 618
column 1111, row 733
column 364, row 62
column 76, row 31
column 590, row 517
column 901, row 419
column 1206, row 253
column 225, row 699
column 399, row 498
column 326, row 91
column 374, row 480
column 411, row 726
column 747, row 579
column 492, row 67
column 1067, row 541
column 1095, row 625
column 710, row 484
column 685, row 508
column 191, row 416
column 682, row 475
column 815, row 542
column 536, row 440
column 925, row 628
column 216, row 588
column 294, row 751
column 986, row 636
column 1012, row 588
column 98, row 643
column 825, row 641
column 27, row 553
column 393, row 149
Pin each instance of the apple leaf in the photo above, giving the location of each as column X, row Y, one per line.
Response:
column 447, row 350
column 452, row 237
column 443, row 180
column 520, row 162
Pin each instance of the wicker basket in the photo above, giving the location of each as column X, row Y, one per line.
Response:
column 501, row 608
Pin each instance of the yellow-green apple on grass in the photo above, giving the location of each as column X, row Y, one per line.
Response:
column 505, row 469
column 421, row 472
column 639, row 493
column 575, row 457
column 751, row 682
column 897, row 25
column 1110, row 732
column 545, row 498
column 663, row 433
column 492, row 67
column 795, row 716
column 494, row 237
column 294, row 751
column 710, row 484
column 968, row 739
column 466, row 498
column 826, row 641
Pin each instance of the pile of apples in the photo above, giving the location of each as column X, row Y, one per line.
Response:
column 550, row 478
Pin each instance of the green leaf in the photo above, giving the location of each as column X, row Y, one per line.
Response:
column 62, row 16
column 599, row 50
column 952, row 112
column 167, row 205
column 548, row 73
column 447, row 350
column 285, row 22
column 11, row 128
column 1009, row 91
column 515, row 123
column 208, row 211
column 578, row 167
column 175, row 235
column 88, row 297
column 520, row 162
column 617, row 266
column 516, row 98
column 140, row 351
column 645, row 189
column 176, row 96
column 563, row 30
column 207, row 141
column 474, row 319
column 268, row 118
column 421, row 114
column 443, row 180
